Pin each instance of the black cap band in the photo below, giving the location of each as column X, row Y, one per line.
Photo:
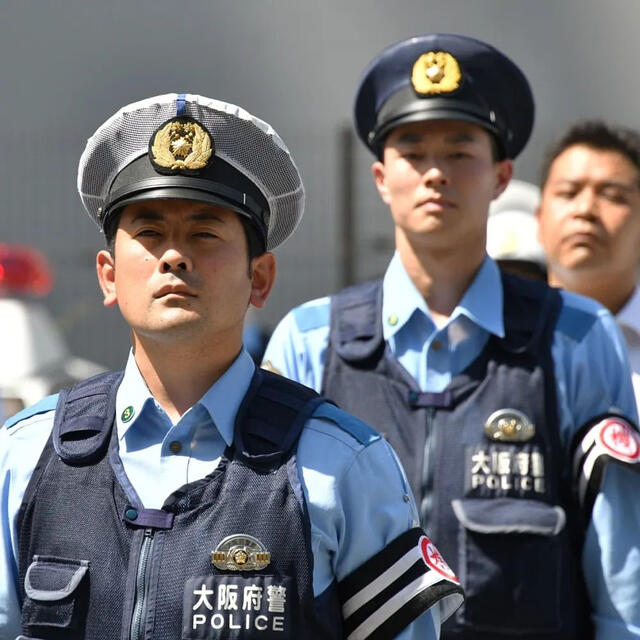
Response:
column 220, row 184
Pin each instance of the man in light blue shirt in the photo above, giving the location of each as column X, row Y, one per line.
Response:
column 192, row 495
column 509, row 403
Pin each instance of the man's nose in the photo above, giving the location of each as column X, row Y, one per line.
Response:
column 585, row 204
column 175, row 260
column 434, row 176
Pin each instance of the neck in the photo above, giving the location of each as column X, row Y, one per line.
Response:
column 178, row 375
column 611, row 292
column 441, row 276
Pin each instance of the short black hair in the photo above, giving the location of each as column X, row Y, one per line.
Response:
column 256, row 243
column 598, row 135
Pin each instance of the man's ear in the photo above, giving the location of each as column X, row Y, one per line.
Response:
column 379, row 175
column 106, row 270
column 504, row 173
column 263, row 276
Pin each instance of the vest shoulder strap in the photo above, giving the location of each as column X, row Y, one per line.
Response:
column 271, row 418
column 530, row 310
column 84, row 418
column 356, row 322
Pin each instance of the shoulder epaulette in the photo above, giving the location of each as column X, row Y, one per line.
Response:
column 311, row 316
column 42, row 406
column 359, row 430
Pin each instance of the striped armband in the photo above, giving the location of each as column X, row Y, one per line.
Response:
column 608, row 439
column 384, row 595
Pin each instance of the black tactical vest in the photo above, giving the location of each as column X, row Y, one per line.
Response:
column 497, row 504
column 228, row 556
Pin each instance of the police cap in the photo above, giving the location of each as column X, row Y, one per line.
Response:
column 512, row 227
column 445, row 76
column 194, row 148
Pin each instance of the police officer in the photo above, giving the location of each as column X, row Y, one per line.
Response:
column 505, row 400
column 193, row 496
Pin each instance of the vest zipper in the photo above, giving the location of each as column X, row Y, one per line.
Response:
column 139, row 608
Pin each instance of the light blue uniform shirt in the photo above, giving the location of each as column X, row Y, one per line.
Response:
column 592, row 376
column 357, row 494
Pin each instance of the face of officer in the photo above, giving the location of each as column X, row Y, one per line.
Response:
column 179, row 273
column 590, row 218
column 438, row 178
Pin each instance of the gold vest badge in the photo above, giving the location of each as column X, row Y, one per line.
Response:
column 435, row 72
column 180, row 144
column 509, row 425
column 240, row 552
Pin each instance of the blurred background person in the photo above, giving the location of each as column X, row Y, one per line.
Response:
column 589, row 219
column 512, row 231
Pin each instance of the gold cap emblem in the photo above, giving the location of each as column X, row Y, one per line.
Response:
column 436, row 72
column 509, row 425
column 180, row 144
column 240, row 552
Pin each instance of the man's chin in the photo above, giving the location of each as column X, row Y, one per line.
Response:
column 173, row 330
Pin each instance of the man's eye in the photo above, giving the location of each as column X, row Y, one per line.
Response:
column 147, row 233
column 615, row 196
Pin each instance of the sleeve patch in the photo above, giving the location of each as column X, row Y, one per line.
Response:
column 612, row 439
column 389, row 591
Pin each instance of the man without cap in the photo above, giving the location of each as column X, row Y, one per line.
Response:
column 505, row 399
column 590, row 222
column 193, row 495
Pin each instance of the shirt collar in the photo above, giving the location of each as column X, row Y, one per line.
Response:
column 221, row 401
column 629, row 315
column 481, row 303
column 224, row 398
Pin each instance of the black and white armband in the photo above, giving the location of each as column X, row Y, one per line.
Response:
column 384, row 595
column 605, row 440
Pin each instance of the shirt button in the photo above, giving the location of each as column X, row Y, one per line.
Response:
column 436, row 345
column 175, row 446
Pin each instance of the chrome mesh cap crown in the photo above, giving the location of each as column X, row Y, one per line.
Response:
column 195, row 148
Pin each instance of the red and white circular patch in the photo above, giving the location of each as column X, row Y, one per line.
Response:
column 435, row 561
column 620, row 440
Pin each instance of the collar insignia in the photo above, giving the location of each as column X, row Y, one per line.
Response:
column 435, row 72
column 240, row 552
column 180, row 144
column 509, row 425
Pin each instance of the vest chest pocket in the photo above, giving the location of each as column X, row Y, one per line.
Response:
column 56, row 596
column 513, row 564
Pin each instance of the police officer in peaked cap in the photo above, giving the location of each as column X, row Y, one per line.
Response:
column 192, row 495
column 509, row 403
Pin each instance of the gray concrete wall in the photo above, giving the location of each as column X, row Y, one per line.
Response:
column 67, row 65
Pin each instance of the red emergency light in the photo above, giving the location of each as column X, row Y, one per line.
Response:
column 23, row 271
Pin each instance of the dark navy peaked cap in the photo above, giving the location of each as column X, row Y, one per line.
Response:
column 444, row 76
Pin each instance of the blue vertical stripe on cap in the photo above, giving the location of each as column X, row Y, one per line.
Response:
column 181, row 104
